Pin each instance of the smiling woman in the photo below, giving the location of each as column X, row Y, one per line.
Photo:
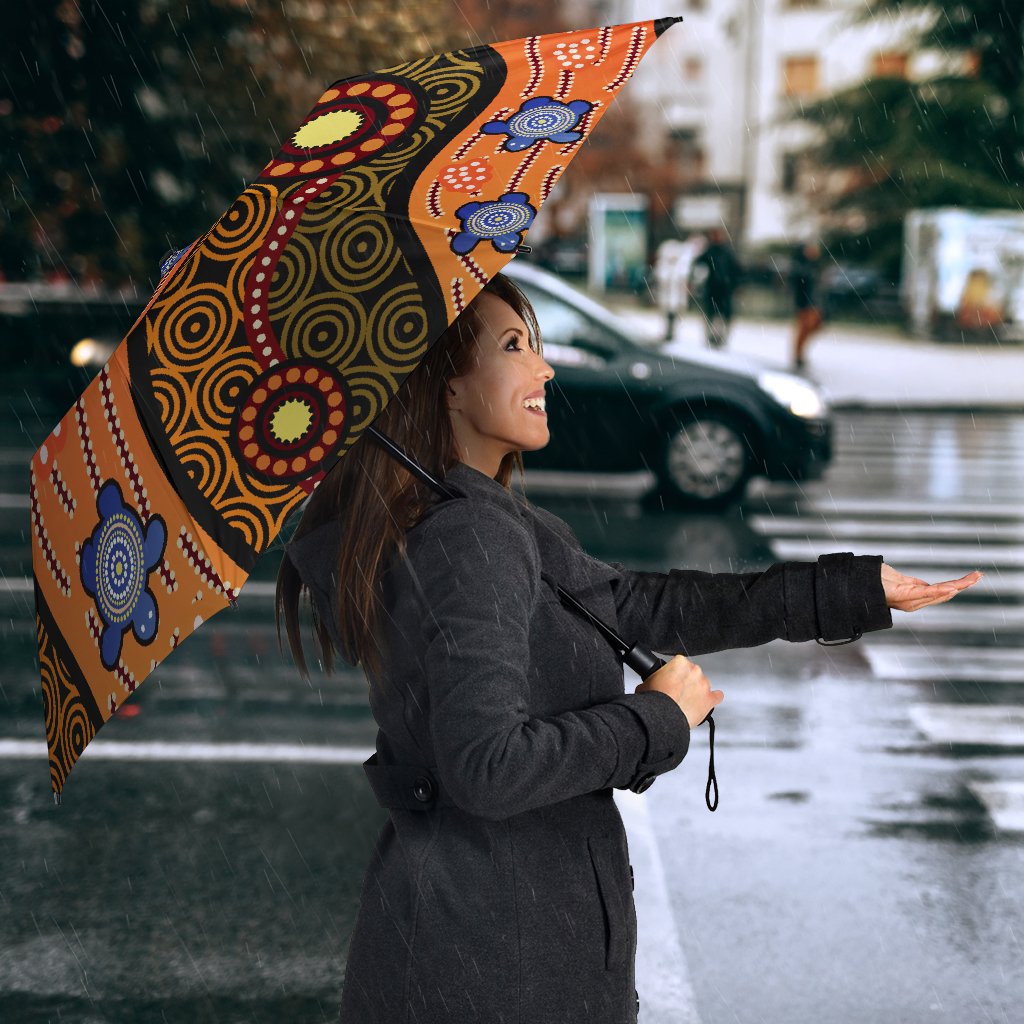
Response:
column 498, row 407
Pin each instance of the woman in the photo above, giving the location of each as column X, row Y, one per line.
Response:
column 500, row 886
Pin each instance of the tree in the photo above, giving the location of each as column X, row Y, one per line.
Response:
column 956, row 138
column 131, row 125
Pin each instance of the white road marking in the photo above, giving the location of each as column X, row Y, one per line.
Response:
column 906, row 529
column 912, row 507
column 1004, row 802
column 950, row 617
column 953, row 664
column 972, row 556
column 115, row 750
column 988, row 725
column 662, row 975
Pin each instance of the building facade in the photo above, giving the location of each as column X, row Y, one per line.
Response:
column 723, row 86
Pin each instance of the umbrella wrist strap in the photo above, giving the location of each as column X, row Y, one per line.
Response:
column 712, row 779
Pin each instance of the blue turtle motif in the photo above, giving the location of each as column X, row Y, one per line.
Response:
column 541, row 119
column 501, row 221
column 116, row 562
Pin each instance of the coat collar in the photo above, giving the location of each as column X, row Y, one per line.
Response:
column 562, row 556
column 474, row 484
column 316, row 554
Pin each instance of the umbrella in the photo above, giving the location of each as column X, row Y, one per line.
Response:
column 275, row 340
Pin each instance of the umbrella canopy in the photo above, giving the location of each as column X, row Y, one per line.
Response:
column 277, row 338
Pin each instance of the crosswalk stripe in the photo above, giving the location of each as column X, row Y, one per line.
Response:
column 948, row 663
column 879, row 507
column 970, row 556
column 1004, row 801
column 961, row 618
column 989, row 725
column 951, row 529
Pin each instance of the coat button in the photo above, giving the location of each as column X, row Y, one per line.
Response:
column 423, row 789
column 637, row 994
column 631, row 885
column 643, row 783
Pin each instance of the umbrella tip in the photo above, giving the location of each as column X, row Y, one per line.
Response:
column 663, row 23
column 56, row 799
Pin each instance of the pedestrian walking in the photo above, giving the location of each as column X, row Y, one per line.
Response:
column 721, row 272
column 500, row 887
column 672, row 266
column 803, row 281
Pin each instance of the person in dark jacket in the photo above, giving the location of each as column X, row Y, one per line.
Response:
column 803, row 281
column 721, row 272
column 500, row 886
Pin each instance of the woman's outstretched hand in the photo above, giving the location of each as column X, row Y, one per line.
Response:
column 908, row 593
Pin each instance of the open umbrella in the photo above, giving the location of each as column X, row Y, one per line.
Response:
column 276, row 339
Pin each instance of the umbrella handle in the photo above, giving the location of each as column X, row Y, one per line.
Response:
column 645, row 663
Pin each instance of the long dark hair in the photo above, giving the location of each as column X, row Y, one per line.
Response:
column 375, row 499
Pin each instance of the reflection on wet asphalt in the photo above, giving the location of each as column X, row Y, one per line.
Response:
column 863, row 864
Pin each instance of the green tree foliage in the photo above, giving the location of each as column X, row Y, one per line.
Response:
column 956, row 138
column 129, row 126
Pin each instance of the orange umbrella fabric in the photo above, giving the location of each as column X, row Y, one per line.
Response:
column 279, row 336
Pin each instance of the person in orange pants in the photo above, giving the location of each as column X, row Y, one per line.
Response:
column 803, row 280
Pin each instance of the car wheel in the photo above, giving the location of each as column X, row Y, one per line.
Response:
column 705, row 460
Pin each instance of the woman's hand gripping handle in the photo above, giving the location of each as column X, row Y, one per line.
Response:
column 687, row 685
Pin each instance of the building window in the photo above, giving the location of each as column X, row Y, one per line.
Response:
column 686, row 151
column 800, row 76
column 790, row 172
column 693, row 69
column 889, row 64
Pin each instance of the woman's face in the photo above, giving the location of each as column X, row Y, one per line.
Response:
column 488, row 416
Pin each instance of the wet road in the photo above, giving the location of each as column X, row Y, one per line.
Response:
column 864, row 863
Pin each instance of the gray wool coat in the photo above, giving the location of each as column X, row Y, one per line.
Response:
column 500, row 888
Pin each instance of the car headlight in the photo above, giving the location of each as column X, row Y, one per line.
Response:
column 799, row 397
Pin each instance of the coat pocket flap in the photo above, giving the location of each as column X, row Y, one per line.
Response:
column 606, row 856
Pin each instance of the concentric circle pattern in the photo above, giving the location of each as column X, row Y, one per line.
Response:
column 120, row 565
column 499, row 219
column 540, row 122
column 293, row 416
column 351, row 122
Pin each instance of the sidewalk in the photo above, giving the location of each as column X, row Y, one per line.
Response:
column 863, row 366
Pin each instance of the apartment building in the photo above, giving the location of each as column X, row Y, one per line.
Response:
column 725, row 83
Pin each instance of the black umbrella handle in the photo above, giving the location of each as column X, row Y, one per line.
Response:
column 645, row 663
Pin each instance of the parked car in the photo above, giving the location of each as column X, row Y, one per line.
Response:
column 705, row 423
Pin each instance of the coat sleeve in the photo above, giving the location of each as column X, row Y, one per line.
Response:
column 839, row 597
column 478, row 574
